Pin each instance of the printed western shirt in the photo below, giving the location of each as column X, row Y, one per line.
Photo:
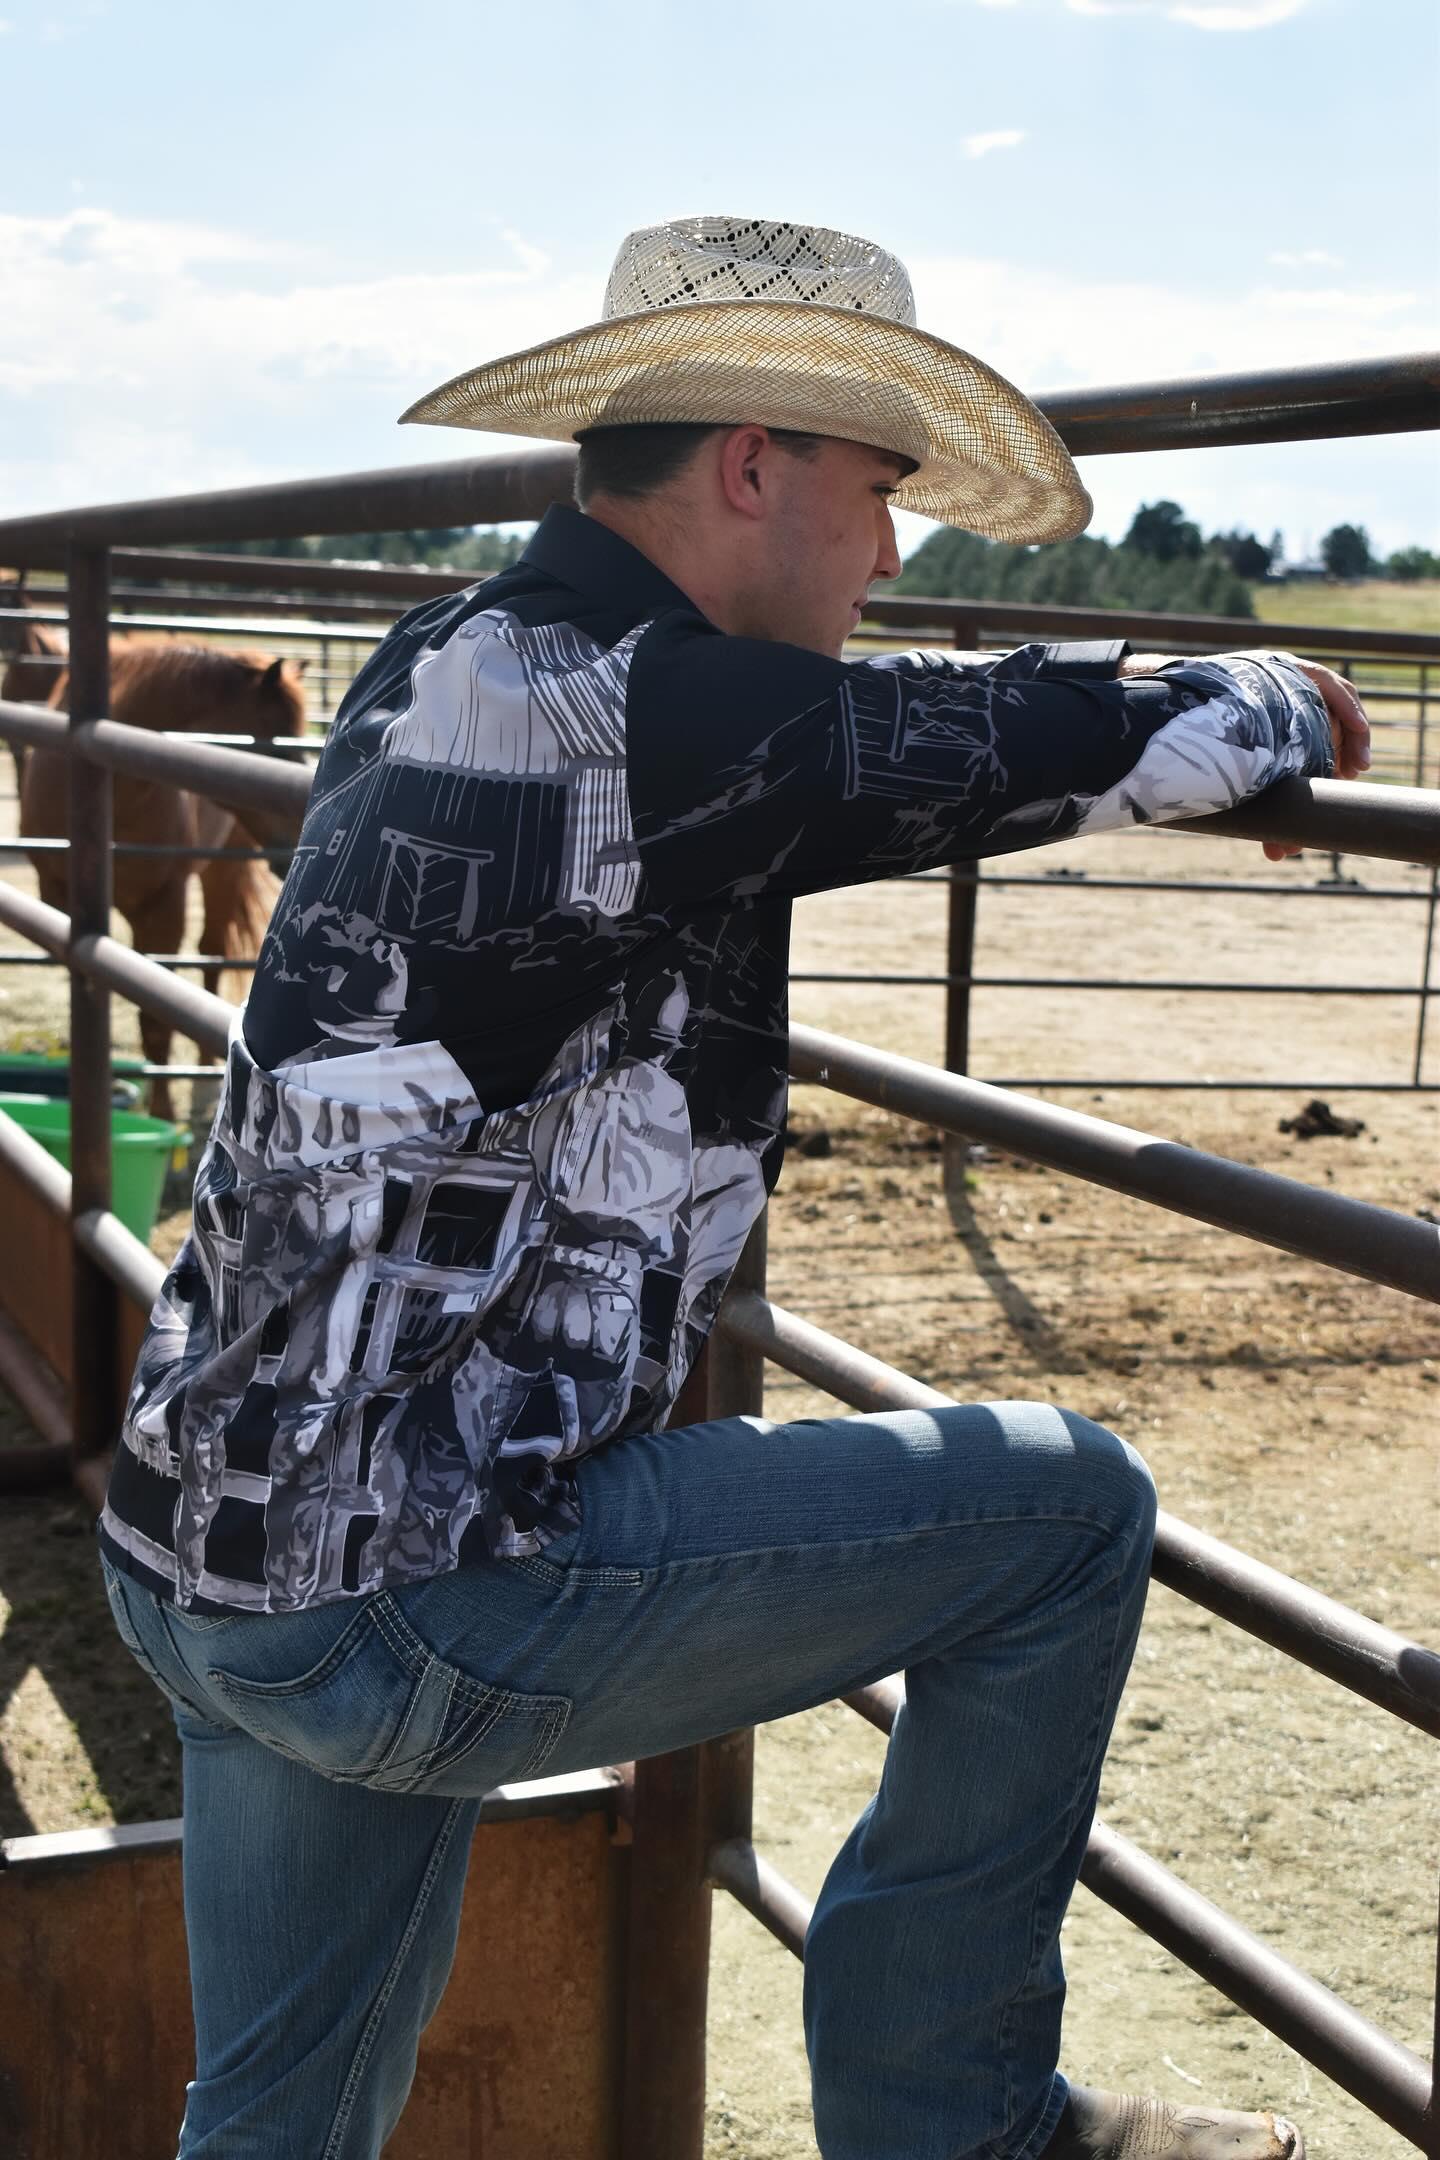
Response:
column 509, row 1090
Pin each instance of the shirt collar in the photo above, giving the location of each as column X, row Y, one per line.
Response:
column 591, row 559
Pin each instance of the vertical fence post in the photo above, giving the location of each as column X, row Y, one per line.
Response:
column 685, row 1804
column 964, row 895
column 1424, row 708
column 1425, row 990
column 93, row 1324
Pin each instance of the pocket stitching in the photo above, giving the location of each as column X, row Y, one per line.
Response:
column 549, row 1737
column 416, row 1658
column 486, row 1703
column 550, row 1572
column 416, row 1654
column 341, row 1650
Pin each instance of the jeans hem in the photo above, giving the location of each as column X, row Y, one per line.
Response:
column 1048, row 2124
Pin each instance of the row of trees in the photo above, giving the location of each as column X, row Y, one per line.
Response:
column 1346, row 553
column 1163, row 562
column 449, row 547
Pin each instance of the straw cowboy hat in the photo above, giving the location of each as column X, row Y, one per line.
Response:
column 727, row 320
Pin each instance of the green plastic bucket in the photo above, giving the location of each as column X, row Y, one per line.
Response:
column 42, row 1072
column 141, row 1151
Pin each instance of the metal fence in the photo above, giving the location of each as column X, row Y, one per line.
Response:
column 281, row 602
column 336, row 650
column 692, row 1822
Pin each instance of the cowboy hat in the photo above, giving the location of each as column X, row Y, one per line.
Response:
column 727, row 320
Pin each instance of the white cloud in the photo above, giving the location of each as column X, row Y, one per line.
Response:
column 977, row 146
column 1307, row 259
column 1237, row 14
column 142, row 355
column 1057, row 329
column 122, row 301
column 1199, row 14
column 1049, row 328
column 1337, row 303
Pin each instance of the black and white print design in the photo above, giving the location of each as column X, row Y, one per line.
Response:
column 509, row 1091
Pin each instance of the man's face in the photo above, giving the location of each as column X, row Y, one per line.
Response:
column 828, row 538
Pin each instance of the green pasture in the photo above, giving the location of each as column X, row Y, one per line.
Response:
column 1373, row 604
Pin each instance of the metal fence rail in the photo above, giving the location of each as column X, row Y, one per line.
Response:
column 1385, row 1668
column 1405, row 751
column 1348, row 816
column 691, row 1811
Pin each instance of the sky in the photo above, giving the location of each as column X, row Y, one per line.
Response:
column 235, row 242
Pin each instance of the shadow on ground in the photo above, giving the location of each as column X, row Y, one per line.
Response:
column 1041, row 1342
column 84, row 1699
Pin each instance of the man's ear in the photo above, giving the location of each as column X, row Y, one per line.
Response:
column 747, row 457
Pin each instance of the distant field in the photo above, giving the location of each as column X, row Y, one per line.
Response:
column 1374, row 605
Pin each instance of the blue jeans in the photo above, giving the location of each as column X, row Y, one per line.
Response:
column 725, row 1574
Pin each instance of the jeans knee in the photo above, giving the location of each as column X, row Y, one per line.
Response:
column 1116, row 1475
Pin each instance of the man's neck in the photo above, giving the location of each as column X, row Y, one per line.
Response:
column 661, row 536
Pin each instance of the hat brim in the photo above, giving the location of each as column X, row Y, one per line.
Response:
column 985, row 456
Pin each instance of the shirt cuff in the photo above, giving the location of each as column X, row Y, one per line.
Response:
column 1085, row 659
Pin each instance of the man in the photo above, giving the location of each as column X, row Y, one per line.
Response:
column 396, row 1516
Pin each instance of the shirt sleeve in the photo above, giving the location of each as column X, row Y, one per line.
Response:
column 759, row 768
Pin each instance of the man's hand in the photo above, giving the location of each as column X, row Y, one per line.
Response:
column 1349, row 728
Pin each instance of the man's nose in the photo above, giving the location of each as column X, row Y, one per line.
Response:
column 887, row 556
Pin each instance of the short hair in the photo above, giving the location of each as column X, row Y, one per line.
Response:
column 636, row 461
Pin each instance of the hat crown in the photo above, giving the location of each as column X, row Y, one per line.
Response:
column 720, row 258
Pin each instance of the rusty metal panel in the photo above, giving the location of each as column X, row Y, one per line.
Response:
column 35, row 1268
column 94, row 2008
column 130, row 1329
column 521, row 2061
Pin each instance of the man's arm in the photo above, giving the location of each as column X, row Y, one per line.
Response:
column 1349, row 728
column 759, row 768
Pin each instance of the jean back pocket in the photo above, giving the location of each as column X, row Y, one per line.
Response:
column 378, row 1708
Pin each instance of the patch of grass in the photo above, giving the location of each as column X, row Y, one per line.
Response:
column 1373, row 604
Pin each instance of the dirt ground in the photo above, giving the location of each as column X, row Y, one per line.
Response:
column 1289, row 1409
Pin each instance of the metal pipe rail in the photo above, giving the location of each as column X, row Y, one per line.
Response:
column 1366, row 1659
column 980, row 622
column 129, row 1263
column 1387, row 1669
column 1363, row 1240
column 1121, row 982
column 206, row 1019
column 1398, row 824
column 238, row 779
column 1392, row 2081
column 1352, row 1235
column 1159, row 630
column 125, row 1262
column 1361, row 397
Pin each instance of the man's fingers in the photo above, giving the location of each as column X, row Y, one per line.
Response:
column 1352, row 747
column 1349, row 728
